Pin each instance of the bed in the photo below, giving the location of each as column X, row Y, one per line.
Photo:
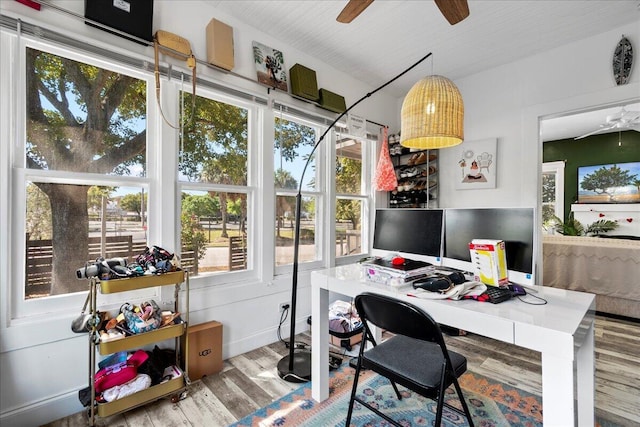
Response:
column 607, row 267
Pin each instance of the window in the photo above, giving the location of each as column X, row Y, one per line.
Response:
column 351, row 200
column 91, row 175
column 83, row 181
column 552, row 194
column 293, row 142
column 213, row 175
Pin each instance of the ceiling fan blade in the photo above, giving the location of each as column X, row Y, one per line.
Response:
column 602, row 128
column 352, row 10
column 453, row 10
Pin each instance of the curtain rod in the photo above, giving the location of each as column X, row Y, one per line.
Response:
column 167, row 70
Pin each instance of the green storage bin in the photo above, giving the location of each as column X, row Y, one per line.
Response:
column 332, row 101
column 304, row 83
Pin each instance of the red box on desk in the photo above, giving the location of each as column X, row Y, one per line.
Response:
column 205, row 349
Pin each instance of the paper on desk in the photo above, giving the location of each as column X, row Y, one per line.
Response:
column 455, row 293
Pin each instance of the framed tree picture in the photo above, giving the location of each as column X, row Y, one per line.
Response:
column 477, row 164
column 270, row 66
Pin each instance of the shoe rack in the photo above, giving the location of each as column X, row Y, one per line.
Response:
column 417, row 174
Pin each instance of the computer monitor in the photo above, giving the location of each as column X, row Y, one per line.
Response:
column 513, row 225
column 413, row 233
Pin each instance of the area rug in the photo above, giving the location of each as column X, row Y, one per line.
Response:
column 491, row 404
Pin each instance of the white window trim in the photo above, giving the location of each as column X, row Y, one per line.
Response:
column 557, row 168
column 318, row 193
column 254, row 183
column 19, row 310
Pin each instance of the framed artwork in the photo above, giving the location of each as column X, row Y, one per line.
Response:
column 270, row 66
column 614, row 183
column 476, row 164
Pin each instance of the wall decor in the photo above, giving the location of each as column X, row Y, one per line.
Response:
column 270, row 66
column 477, row 165
column 614, row 183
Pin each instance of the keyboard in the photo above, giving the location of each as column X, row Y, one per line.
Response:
column 497, row 294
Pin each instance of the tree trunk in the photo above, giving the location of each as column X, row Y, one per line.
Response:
column 70, row 235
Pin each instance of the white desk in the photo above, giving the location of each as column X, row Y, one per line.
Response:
column 562, row 330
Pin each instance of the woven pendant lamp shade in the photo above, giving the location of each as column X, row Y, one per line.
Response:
column 432, row 115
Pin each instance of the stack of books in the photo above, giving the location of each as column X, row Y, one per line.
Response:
column 382, row 270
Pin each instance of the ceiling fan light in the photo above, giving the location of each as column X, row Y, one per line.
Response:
column 432, row 115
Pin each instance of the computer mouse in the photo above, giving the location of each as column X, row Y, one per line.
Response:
column 397, row 260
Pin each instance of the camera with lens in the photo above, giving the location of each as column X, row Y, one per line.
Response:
column 100, row 267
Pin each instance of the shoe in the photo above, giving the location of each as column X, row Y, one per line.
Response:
column 420, row 159
column 409, row 172
column 412, row 159
column 408, row 186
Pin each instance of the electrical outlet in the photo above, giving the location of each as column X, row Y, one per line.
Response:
column 284, row 306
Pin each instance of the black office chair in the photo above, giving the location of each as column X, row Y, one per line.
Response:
column 416, row 357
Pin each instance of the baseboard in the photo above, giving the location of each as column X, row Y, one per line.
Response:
column 618, row 317
column 43, row 412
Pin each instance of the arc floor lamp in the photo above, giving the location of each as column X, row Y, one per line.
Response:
column 432, row 116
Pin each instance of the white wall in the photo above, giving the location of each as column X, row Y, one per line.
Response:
column 507, row 101
column 40, row 380
column 42, row 363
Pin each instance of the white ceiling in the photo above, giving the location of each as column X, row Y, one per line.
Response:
column 390, row 35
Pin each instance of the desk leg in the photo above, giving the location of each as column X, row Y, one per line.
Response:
column 319, row 343
column 585, row 364
column 558, row 378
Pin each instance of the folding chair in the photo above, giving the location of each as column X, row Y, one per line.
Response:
column 416, row 357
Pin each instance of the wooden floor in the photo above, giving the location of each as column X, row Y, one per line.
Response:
column 249, row 381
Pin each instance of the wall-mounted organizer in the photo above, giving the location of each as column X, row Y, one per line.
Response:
column 175, row 384
column 417, row 174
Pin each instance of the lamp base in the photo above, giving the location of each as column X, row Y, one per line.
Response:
column 301, row 371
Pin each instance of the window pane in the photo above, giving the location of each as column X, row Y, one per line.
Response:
column 292, row 146
column 71, row 225
column 349, row 213
column 214, row 148
column 214, row 232
column 348, row 166
column 285, row 223
column 548, row 187
column 83, row 118
column 548, row 200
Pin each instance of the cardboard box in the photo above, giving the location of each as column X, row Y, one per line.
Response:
column 205, row 349
column 220, row 45
column 352, row 340
column 490, row 261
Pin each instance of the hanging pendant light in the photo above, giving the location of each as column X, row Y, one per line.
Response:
column 432, row 115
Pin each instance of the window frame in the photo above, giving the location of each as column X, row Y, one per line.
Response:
column 251, row 190
column 319, row 192
column 370, row 146
column 557, row 169
column 20, row 309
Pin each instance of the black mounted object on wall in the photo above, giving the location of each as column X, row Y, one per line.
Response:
column 133, row 17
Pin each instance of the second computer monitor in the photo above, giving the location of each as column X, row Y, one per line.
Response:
column 513, row 225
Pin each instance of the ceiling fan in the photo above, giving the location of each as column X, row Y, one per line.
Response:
column 620, row 121
column 453, row 10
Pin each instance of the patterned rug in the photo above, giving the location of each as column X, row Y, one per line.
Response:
column 491, row 404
